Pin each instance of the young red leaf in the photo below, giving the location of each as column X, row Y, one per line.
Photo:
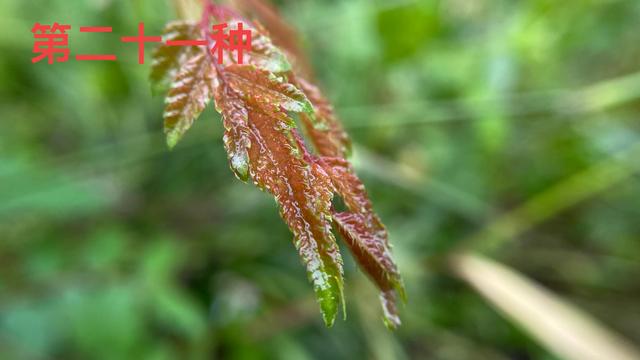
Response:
column 264, row 91
column 365, row 235
column 279, row 164
column 235, row 118
column 263, row 144
column 190, row 93
column 324, row 130
column 368, row 246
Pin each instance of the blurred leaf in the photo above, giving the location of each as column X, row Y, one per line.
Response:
column 404, row 29
column 558, row 325
column 168, row 58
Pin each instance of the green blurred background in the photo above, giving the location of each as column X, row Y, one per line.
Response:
column 113, row 247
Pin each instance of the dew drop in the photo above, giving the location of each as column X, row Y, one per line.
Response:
column 240, row 165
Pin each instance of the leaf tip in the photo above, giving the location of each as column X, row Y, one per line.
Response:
column 307, row 107
column 398, row 286
column 389, row 306
column 330, row 300
column 172, row 139
column 329, row 310
column 239, row 163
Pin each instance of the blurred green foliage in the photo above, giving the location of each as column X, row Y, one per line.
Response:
column 113, row 247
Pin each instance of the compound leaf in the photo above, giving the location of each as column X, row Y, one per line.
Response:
column 263, row 143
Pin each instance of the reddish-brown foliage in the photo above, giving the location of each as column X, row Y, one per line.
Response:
column 263, row 144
